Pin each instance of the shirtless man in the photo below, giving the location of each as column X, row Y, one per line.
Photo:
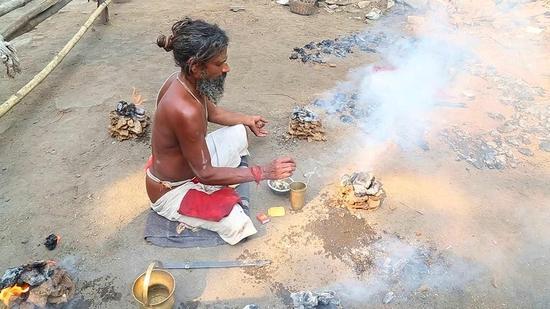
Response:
column 186, row 102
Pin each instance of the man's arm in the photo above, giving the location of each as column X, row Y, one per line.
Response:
column 190, row 134
column 224, row 117
column 227, row 118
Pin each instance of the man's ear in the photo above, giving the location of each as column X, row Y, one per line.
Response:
column 196, row 69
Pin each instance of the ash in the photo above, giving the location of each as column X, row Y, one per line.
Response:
column 318, row 52
column 311, row 300
column 346, row 106
column 403, row 270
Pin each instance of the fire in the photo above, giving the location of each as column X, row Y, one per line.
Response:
column 15, row 290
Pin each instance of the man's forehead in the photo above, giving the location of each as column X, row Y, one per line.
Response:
column 221, row 56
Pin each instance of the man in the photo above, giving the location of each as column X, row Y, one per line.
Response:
column 188, row 175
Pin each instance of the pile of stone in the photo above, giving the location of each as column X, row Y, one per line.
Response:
column 361, row 190
column 128, row 121
column 304, row 124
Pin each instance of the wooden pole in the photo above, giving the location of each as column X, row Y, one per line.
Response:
column 16, row 98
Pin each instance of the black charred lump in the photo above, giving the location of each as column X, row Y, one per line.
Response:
column 51, row 241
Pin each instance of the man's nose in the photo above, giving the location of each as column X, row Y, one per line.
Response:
column 226, row 68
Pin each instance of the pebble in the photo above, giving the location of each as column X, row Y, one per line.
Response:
column 526, row 152
column 388, row 297
column 545, row 145
column 469, row 94
column 507, row 127
column 374, row 14
column 363, row 4
column 423, row 288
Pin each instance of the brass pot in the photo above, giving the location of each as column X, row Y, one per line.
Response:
column 154, row 289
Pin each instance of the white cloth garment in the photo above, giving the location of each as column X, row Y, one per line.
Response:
column 226, row 146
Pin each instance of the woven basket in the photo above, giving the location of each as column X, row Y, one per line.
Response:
column 302, row 7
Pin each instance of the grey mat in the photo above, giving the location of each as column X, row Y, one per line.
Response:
column 162, row 232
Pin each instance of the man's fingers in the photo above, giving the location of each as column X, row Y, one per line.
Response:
column 285, row 160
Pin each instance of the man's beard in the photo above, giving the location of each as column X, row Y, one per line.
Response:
column 211, row 88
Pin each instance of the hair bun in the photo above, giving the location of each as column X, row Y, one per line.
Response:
column 165, row 42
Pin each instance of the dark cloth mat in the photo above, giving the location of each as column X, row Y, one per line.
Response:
column 161, row 232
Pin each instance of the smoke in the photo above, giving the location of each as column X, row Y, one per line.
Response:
column 402, row 269
column 391, row 101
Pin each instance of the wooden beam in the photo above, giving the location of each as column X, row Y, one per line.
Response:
column 19, row 95
column 36, row 20
column 8, row 31
column 9, row 6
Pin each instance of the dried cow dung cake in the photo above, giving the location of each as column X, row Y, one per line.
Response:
column 128, row 121
column 304, row 124
column 361, row 190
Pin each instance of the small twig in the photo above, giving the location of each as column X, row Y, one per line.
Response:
column 281, row 94
column 418, row 211
column 61, row 113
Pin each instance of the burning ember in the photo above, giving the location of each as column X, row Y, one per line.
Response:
column 361, row 190
column 36, row 284
column 304, row 124
column 14, row 291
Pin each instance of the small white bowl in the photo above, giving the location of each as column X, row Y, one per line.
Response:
column 271, row 186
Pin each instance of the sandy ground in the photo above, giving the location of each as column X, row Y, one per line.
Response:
column 448, row 235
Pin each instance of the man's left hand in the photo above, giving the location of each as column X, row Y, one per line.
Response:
column 256, row 125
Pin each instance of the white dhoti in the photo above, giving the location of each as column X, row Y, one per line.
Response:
column 226, row 146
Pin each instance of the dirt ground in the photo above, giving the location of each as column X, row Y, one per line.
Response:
column 448, row 235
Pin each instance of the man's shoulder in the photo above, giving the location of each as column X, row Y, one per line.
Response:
column 178, row 108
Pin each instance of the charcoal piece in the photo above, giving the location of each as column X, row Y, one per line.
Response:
column 293, row 56
column 51, row 241
column 10, row 276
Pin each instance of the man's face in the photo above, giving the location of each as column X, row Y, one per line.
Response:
column 212, row 78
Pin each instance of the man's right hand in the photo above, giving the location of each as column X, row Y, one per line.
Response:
column 280, row 168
